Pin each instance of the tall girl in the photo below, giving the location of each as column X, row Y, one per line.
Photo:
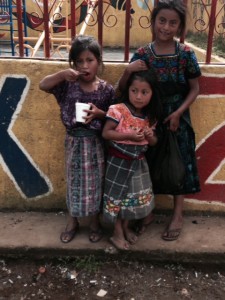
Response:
column 177, row 71
column 129, row 129
column 84, row 149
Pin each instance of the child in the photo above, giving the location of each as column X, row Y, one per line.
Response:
column 128, row 190
column 84, row 151
column 177, row 71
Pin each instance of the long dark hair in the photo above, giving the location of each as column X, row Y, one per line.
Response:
column 154, row 109
column 178, row 6
column 82, row 43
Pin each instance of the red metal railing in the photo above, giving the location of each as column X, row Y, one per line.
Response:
column 127, row 31
column 46, row 29
column 20, row 27
column 98, row 9
column 212, row 21
column 73, row 18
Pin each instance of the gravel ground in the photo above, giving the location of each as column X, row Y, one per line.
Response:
column 85, row 278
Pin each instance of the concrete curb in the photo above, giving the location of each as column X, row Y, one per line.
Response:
column 36, row 234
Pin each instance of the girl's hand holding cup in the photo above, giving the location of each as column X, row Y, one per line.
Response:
column 93, row 113
column 82, row 110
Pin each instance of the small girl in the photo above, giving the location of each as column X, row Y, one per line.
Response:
column 128, row 189
column 177, row 72
column 84, row 150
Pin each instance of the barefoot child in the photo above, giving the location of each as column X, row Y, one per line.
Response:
column 84, row 151
column 128, row 190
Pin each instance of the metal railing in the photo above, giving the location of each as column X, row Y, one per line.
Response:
column 50, row 19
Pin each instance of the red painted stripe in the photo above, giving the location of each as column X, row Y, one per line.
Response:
column 212, row 85
column 209, row 155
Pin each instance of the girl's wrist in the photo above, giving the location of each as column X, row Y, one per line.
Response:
column 101, row 114
column 152, row 140
column 128, row 72
column 179, row 112
column 127, row 136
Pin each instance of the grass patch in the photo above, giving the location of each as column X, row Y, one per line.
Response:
column 200, row 39
column 220, row 46
column 87, row 263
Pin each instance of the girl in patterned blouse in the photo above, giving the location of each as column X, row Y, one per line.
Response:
column 130, row 130
column 84, row 147
column 177, row 71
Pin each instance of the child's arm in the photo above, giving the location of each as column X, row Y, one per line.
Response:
column 174, row 118
column 109, row 133
column 52, row 80
column 137, row 65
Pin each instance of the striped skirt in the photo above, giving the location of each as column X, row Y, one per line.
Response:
column 85, row 166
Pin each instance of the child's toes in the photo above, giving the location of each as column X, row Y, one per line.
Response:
column 119, row 244
column 131, row 237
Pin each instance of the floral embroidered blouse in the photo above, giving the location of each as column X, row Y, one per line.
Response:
column 127, row 122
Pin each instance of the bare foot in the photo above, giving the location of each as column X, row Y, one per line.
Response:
column 119, row 243
column 130, row 236
column 95, row 235
column 144, row 223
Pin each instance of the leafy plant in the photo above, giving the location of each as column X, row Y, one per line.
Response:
column 87, row 263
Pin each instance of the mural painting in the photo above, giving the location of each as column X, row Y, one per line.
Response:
column 14, row 159
column 30, row 181
column 210, row 151
column 25, row 172
column 34, row 19
column 86, row 18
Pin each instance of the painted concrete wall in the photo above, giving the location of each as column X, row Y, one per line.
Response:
column 32, row 138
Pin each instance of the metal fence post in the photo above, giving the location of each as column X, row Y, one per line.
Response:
column 212, row 21
column 100, row 22
column 20, row 27
column 73, row 19
column 127, row 31
column 46, row 29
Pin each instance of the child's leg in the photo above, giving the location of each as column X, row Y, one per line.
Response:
column 71, row 229
column 130, row 236
column 95, row 231
column 118, row 239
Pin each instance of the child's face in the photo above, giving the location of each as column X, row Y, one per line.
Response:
column 167, row 24
column 87, row 64
column 140, row 93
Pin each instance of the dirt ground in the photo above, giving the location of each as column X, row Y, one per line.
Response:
column 85, row 278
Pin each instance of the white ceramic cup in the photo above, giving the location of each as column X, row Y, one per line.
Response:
column 80, row 113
